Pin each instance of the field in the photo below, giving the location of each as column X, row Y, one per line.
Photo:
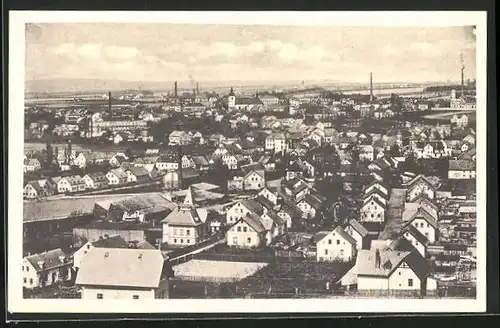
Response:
column 206, row 270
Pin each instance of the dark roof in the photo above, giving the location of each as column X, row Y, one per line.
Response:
column 417, row 234
column 420, row 177
column 423, row 198
column 138, row 171
column 358, row 227
column 374, row 199
column 253, row 220
column 111, row 242
column 345, row 235
column 401, row 244
column 311, row 200
column 422, row 213
column 253, row 206
column 50, row 259
column 264, row 202
column 183, row 216
column 320, row 235
column 461, row 165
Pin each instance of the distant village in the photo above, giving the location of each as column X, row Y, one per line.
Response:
column 268, row 195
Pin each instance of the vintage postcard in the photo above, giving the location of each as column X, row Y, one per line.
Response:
column 232, row 162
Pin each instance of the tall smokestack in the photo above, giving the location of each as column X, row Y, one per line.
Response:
column 197, row 88
column 371, row 87
column 175, row 89
column 462, row 79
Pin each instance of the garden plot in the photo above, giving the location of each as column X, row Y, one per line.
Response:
column 217, row 271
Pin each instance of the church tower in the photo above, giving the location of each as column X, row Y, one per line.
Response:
column 231, row 99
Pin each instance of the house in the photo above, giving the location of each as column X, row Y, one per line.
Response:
column 336, row 245
column 46, row 269
column 115, row 241
column 116, row 177
column 185, row 226
column 389, row 272
column 32, row 165
column 366, row 152
column 270, row 194
column 82, row 160
column 187, row 161
column 95, row 180
column 179, row 138
column 167, row 162
column 460, row 122
column 254, row 179
column 373, row 210
column 276, row 142
column 290, row 213
column 241, row 209
column 137, row 174
column 117, row 160
column 416, row 239
column 275, row 226
column 425, row 223
column 201, row 163
column 358, row 232
column 377, row 194
column 461, row 169
column 418, row 186
column 309, row 205
column 73, row 183
column 431, row 149
column 37, row 189
column 247, row 232
column 119, row 273
column 421, row 201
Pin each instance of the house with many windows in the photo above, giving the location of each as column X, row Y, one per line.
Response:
column 185, row 226
column 46, row 269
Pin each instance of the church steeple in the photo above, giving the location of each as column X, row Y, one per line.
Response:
column 189, row 199
column 231, row 92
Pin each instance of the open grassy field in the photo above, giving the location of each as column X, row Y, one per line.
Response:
column 206, row 270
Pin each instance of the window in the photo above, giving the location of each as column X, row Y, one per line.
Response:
column 338, row 242
column 427, row 234
column 99, row 296
column 373, row 215
column 175, row 231
column 175, row 241
column 188, row 231
column 329, row 241
column 27, row 269
column 181, row 232
column 399, row 272
column 31, row 281
column 235, row 240
column 341, row 252
column 22, row 268
column 326, row 251
column 25, row 280
column 410, row 282
column 245, row 229
column 239, row 229
column 182, row 241
column 249, row 240
column 135, row 297
column 428, row 225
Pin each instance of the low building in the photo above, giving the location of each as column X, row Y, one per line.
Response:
column 247, row 232
column 389, row 272
column 418, row 186
column 461, row 169
column 358, row 232
column 116, row 177
column 119, row 273
column 309, row 206
column 373, row 210
column 73, row 183
column 336, row 245
column 46, row 269
column 95, row 180
column 185, row 226
column 137, row 174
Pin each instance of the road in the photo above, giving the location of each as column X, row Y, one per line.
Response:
column 394, row 214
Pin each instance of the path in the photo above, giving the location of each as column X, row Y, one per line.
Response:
column 394, row 214
column 199, row 250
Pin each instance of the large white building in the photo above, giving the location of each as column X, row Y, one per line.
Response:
column 124, row 274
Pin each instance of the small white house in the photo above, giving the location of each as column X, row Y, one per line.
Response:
column 336, row 245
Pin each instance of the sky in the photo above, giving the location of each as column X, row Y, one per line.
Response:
column 167, row 52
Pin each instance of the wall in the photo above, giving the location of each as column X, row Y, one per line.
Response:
column 418, row 190
column 242, row 236
column 235, row 213
column 80, row 254
column 90, row 293
column 92, row 234
column 425, row 228
column 354, row 234
column 421, row 248
column 372, row 283
column 342, row 251
column 173, row 235
column 399, row 279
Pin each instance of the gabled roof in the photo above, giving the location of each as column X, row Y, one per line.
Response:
column 374, row 199
column 200, row 160
column 313, row 201
column 253, row 220
column 35, row 186
column 115, row 241
column 424, row 214
column 123, row 267
column 253, row 206
column 320, row 235
column 417, row 234
column 50, row 259
column 265, row 202
column 183, row 216
column 138, row 171
column 345, row 235
column 377, row 192
column 119, row 173
column 375, row 183
column 401, row 244
column 423, row 198
column 418, row 178
column 358, row 227
column 389, row 261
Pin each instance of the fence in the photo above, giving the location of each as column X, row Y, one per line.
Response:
column 233, row 257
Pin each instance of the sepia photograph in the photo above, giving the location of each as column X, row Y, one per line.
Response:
column 247, row 161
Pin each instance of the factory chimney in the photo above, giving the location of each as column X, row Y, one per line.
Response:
column 175, row 89
column 371, row 87
column 197, row 88
column 109, row 104
column 462, row 79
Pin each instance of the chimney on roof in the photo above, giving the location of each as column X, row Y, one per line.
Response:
column 377, row 258
column 40, row 264
column 62, row 258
